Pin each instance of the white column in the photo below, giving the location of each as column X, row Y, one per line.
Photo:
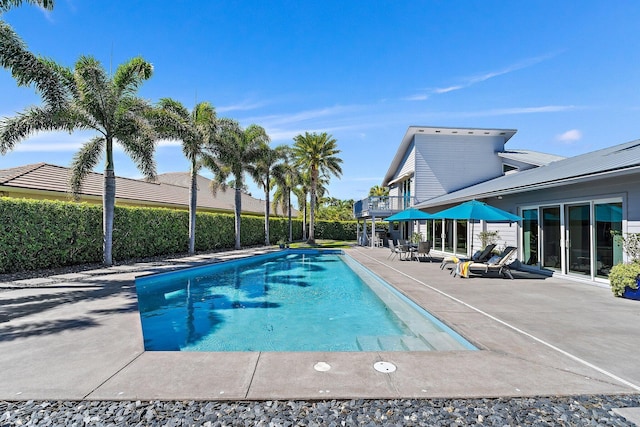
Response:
column 373, row 231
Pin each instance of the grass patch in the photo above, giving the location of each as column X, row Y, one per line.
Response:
column 327, row 244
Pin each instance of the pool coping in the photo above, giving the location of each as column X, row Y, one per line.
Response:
column 79, row 337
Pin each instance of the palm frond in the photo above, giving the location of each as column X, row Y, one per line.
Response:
column 84, row 161
column 27, row 69
column 94, row 92
column 138, row 138
column 175, row 107
column 35, row 119
column 130, row 75
column 5, row 5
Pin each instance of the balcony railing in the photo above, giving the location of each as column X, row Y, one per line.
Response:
column 381, row 206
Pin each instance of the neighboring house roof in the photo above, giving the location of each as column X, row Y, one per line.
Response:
column 612, row 161
column 429, row 130
column 535, row 158
column 171, row 190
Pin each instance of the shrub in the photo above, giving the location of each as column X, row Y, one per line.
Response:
column 37, row 234
column 623, row 275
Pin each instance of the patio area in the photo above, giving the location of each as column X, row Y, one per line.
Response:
column 78, row 336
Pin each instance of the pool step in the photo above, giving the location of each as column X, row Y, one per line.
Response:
column 392, row 343
column 437, row 338
column 442, row 341
column 416, row 344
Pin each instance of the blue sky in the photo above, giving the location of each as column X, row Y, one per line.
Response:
column 566, row 75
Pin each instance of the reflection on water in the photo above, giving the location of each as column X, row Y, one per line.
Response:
column 293, row 303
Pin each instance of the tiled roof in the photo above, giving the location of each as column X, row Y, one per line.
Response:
column 171, row 190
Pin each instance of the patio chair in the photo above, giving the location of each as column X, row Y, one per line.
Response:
column 405, row 249
column 394, row 250
column 480, row 256
column 423, row 250
column 497, row 263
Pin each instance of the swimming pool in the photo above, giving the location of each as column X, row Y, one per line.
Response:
column 285, row 301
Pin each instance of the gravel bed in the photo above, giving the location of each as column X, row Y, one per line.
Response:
column 540, row 411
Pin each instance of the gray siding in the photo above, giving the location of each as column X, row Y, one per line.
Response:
column 409, row 163
column 446, row 163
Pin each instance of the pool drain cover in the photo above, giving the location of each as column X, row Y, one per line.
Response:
column 385, row 367
column 322, row 366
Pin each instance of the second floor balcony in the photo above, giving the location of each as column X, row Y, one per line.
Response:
column 381, row 206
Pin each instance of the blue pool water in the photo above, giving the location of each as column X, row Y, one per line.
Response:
column 287, row 301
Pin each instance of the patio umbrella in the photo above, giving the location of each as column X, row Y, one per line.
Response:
column 411, row 214
column 475, row 210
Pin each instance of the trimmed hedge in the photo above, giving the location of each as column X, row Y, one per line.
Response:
column 336, row 230
column 36, row 234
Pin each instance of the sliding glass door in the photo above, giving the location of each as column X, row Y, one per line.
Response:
column 530, row 236
column 578, row 225
column 551, row 238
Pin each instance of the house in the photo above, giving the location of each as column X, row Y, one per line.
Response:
column 171, row 190
column 570, row 206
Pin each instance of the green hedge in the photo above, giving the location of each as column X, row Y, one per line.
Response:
column 336, row 230
column 37, row 234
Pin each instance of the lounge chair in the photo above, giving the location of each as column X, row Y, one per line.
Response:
column 497, row 264
column 423, row 250
column 480, row 256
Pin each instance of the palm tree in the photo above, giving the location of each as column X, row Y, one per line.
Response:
column 261, row 172
column 376, row 190
column 317, row 154
column 194, row 129
column 231, row 152
column 286, row 178
column 105, row 104
column 24, row 66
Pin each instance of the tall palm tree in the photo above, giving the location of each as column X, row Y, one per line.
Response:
column 286, row 178
column 231, row 152
column 194, row 129
column 105, row 104
column 25, row 67
column 316, row 153
column 261, row 172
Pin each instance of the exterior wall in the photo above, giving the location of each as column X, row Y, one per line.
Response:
column 446, row 163
column 406, row 167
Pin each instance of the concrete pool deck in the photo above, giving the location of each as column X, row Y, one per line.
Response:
column 78, row 336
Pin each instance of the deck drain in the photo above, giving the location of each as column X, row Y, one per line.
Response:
column 322, row 366
column 385, row 367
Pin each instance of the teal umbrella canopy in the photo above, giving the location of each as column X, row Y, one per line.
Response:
column 475, row 210
column 411, row 214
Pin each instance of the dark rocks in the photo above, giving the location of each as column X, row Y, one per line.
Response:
column 543, row 411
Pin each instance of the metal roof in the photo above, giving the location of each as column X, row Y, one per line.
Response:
column 171, row 190
column 530, row 157
column 619, row 159
column 432, row 130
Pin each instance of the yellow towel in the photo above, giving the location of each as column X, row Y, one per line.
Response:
column 463, row 269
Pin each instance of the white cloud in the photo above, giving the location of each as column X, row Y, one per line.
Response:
column 516, row 110
column 447, row 89
column 417, row 97
column 570, row 136
column 52, row 142
column 243, row 106
column 470, row 81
